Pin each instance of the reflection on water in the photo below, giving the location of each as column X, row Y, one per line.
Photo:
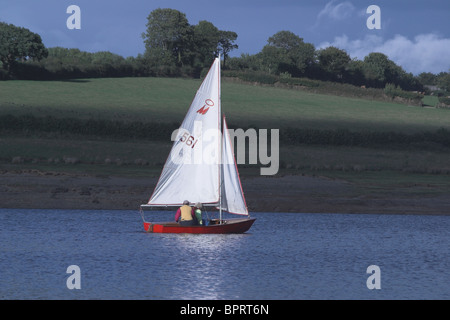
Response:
column 283, row 256
column 203, row 263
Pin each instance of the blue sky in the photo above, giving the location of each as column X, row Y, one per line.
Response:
column 415, row 34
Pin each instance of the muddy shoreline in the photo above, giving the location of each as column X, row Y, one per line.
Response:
column 303, row 194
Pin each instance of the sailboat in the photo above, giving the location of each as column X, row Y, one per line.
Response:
column 201, row 167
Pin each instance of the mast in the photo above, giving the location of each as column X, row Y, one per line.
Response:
column 221, row 147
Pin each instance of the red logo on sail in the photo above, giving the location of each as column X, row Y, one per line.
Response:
column 208, row 103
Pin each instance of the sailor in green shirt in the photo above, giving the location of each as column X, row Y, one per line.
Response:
column 198, row 213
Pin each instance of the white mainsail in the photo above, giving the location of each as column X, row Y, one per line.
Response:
column 201, row 165
column 191, row 171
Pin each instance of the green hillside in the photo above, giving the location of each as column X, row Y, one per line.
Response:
column 165, row 100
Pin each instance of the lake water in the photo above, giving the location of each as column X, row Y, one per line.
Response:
column 284, row 256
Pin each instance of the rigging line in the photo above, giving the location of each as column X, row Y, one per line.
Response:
column 142, row 214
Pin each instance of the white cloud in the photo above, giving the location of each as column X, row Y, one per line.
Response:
column 337, row 11
column 425, row 53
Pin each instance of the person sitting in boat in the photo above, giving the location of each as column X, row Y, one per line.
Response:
column 185, row 215
column 198, row 214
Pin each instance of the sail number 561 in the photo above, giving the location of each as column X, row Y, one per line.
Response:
column 188, row 139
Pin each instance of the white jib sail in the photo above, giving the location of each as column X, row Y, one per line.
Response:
column 233, row 200
column 192, row 170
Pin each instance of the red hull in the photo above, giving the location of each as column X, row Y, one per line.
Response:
column 229, row 226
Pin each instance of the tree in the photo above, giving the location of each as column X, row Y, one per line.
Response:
column 275, row 60
column 174, row 47
column 19, row 44
column 246, row 61
column 427, row 78
column 286, row 52
column 379, row 70
column 355, row 72
column 168, row 36
column 444, row 81
column 206, row 39
column 333, row 61
column 226, row 43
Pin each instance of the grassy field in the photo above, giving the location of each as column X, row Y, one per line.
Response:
column 167, row 100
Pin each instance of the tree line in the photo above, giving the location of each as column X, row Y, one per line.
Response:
column 174, row 48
